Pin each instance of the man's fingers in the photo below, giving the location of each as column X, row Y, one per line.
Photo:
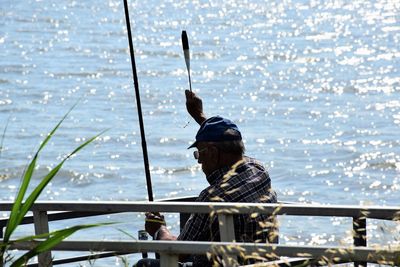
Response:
column 155, row 221
column 156, row 216
column 189, row 94
column 149, row 214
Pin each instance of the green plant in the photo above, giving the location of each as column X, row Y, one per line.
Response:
column 21, row 207
column 3, row 135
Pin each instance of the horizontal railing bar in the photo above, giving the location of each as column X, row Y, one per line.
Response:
column 286, row 262
column 62, row 215
column 179, row 199
column 81, row 258
column 343, row 253
column 54, row 216
column 206, row 207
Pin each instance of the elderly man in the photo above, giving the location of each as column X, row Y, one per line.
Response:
column 232, row 177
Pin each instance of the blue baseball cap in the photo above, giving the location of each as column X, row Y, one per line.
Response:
column 214, row 130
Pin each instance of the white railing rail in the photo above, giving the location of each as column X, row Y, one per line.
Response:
column 375, row 212
column 171, row 249
column 225, row 211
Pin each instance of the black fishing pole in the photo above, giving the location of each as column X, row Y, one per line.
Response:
column 139, row 106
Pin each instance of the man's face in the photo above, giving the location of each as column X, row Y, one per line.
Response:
column 207, row 157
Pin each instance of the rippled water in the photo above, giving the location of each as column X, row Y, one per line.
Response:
column 314, row 87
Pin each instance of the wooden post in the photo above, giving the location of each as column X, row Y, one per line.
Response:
column 41, row 223
column 168, row 260
column 360, row 235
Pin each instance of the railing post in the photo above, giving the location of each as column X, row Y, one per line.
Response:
column 168, row 260
column 41, row 223
column 226, row 227
column 227, row 234
column 3, row 224
column 360, row 235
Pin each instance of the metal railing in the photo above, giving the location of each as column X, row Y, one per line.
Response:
column 168, row 250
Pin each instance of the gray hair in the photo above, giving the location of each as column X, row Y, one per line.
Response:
column 235, row 147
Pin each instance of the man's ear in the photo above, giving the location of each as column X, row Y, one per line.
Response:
column 214, row 153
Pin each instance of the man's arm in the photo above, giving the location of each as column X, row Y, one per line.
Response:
column 194, row 106
column 164, row 234
column 155, row 225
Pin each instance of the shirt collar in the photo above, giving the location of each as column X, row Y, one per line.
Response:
column 218, row 174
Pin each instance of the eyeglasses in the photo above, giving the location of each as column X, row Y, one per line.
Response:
column 196, row 153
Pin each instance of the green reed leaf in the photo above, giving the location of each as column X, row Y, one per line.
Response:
column 54, row 239
column 16, row 215
column 47, row 235
column 3, row 136
column 46, row 140
column 38, row 190
column 15, row 211
column 126, row 233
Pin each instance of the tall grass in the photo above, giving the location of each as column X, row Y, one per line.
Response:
column 22, row 205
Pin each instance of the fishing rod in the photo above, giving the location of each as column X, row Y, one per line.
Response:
column 139, row 106
column 185, row 46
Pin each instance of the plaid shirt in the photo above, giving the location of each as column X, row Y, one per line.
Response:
column 246, row 181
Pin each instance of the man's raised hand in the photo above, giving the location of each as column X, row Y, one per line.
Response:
column 194, row 106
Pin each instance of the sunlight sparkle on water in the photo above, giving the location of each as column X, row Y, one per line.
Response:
column 313, row 87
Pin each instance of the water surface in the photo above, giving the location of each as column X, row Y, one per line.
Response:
column 314, row 87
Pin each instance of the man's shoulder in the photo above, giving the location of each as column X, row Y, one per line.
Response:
column 252, row 163
column 206, row 194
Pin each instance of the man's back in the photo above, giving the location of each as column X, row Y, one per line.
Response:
column 246, row 181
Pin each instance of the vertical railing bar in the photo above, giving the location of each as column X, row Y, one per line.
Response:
column 226, row 227
column 168, row 260
column 41, row 223
column 227, row 234
column 360, row 235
